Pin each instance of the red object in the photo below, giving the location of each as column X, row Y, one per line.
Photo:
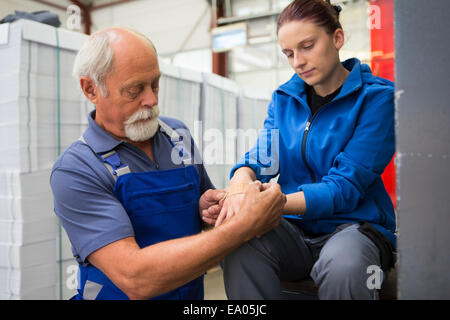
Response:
column 219, row 59
column 381, row 22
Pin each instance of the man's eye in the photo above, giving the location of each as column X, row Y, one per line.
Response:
column 133, row 92
column 308, row 47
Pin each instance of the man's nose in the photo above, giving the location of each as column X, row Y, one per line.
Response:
column 149, row 97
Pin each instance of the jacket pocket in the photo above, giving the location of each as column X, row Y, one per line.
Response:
column 162, row 199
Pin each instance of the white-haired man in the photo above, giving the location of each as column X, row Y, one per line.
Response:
column 131, row 212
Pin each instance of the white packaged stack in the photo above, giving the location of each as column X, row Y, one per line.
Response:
column 180, row 95
column 29, row 146
column 219, row 117
column 252, row 111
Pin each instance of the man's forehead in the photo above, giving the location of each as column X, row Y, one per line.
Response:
column 135, row 59
column 135, row 81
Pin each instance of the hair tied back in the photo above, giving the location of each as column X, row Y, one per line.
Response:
column 337, row 8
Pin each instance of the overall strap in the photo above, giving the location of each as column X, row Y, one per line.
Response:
column 111, row 161
column 183, row 147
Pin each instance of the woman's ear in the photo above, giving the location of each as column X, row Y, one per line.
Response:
column 338, row 38
column 89, row 88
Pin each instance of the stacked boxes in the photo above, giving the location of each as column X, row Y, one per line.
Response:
column 219, row 116
column 27, row 236
column 252, row 110
column 29, row 145
column 180, row 95
column 39, row 121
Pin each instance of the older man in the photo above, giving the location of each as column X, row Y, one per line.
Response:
column 131, row 212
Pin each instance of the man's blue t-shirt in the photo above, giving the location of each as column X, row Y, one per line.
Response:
column 83, row 187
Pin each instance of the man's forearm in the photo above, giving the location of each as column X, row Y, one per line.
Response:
column 151, row 271
column 167, row 265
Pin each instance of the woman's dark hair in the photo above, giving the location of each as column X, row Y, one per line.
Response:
column 319, row 11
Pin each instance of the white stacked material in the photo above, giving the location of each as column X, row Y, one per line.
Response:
column 29, row 283
column 68, row 266
column 252, row 111
column 27, row 235
column 219, row 117
column 29, row 145
column 180, row 94
column 29, row 127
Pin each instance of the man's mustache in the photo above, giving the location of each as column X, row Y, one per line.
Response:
column 144, row 114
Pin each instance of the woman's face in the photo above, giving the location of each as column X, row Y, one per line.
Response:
column 311, row 51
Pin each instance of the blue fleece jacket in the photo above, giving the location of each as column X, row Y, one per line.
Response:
column 336, row 157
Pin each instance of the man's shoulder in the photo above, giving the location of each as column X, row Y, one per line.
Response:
column 78, row 157
column 75, row 152
column 78, row 165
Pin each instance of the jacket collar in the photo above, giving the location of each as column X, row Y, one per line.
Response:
column 295, row 87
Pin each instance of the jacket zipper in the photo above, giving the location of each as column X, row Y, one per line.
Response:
column 305, row 136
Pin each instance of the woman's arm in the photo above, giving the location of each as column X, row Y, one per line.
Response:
column 295, row 204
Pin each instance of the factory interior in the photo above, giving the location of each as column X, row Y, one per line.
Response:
column 221, row 64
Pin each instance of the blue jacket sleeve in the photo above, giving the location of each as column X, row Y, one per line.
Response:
column 360, row 163
column 263, row 157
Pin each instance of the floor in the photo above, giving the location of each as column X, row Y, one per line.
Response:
column 214, row 289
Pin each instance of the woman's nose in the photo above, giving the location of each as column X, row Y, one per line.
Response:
column 299, row 60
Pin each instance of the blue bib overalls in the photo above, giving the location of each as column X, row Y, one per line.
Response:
column 161, row 205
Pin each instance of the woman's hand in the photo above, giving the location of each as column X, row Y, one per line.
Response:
column 230, row 207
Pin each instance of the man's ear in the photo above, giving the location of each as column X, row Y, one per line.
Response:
column 338, row 38
column 89, row 88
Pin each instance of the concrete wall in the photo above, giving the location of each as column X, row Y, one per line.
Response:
column 423, row 148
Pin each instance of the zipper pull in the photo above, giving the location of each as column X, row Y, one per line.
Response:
column 307, row 126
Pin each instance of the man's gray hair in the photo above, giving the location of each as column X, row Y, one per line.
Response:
column 95, row 59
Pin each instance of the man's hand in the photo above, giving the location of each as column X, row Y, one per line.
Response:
column 231, row 206
column 261, row 208
column 209, row 206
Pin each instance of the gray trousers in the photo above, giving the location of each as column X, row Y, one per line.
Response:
column 337, row 262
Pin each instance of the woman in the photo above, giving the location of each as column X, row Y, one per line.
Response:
column 335, row 128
